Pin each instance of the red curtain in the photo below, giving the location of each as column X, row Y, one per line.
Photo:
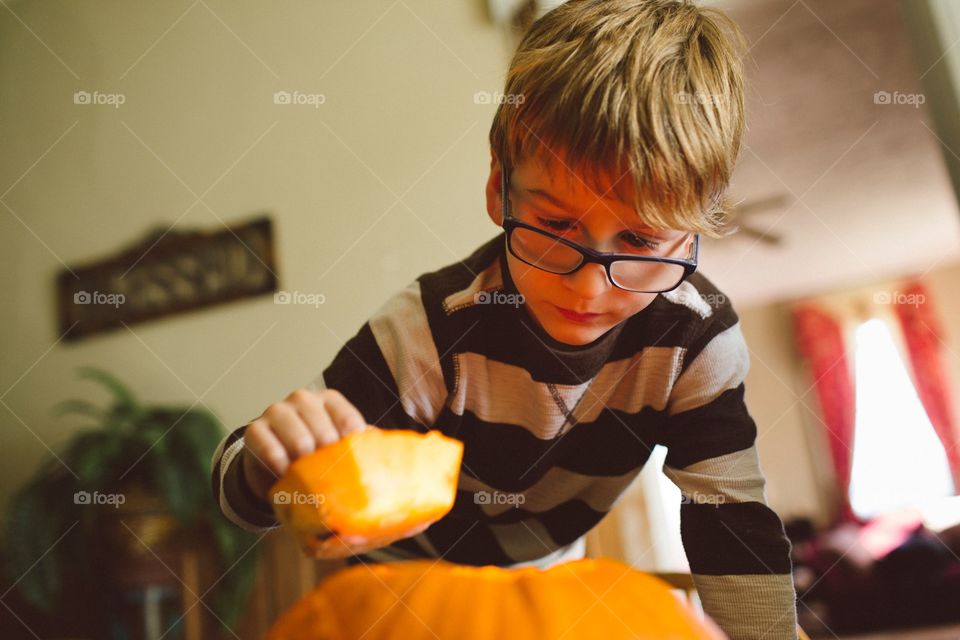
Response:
column 821, row 343
column 923, row 337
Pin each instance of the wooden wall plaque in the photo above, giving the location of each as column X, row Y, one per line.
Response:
column 168, row 272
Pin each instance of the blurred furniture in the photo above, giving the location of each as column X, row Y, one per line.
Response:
column 284, row 576
column 849, row 584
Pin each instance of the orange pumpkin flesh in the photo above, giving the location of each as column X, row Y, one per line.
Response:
column 428, row 600
column 374, row 485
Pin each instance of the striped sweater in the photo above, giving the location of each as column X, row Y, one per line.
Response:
column 554, row 433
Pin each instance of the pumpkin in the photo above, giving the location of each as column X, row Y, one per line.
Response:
column 437, row 600
column 367, row 489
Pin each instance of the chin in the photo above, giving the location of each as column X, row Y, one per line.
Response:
column 576, row 336
column 567, row 332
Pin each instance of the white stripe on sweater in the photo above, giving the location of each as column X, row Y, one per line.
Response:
column 503, row 393
column 487, row 280
column 751, row 607
column 722, row 365
column 402, row 332
column 734, row 477
column 226, row 460
column 688, row 296
column 554, row 488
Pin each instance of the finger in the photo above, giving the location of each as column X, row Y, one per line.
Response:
column 418, row 530
column 310, row 407
column 346, row 417
column 290, row 429
column 265, row 447
column 357, row 542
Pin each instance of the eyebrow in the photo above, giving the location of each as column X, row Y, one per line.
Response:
column 563, row 205
column 547, row 196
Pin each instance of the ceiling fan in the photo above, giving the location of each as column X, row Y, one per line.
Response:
column 739, row 225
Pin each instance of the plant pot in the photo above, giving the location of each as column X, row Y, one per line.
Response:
column 142, row 540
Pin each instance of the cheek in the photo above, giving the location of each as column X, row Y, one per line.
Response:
column 631, row 303
column 537, row 286
column 530, row 281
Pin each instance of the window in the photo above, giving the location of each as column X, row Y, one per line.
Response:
column 898, row 460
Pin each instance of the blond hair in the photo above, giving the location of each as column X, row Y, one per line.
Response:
column 649, row 87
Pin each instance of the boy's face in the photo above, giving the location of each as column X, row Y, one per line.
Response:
column 590, row 215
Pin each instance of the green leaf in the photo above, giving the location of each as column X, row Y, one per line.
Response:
column 38, row 515
column 166, row 450
column 81, row 407
column 199, row 433
column 174, row 489
column 124, row 397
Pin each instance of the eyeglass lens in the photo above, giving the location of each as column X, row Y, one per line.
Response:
column 546, row 253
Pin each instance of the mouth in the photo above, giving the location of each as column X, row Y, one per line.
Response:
column 569, row 314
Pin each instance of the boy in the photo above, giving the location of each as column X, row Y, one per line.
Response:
column 562, row 350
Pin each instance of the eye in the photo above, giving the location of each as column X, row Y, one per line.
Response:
column 640, row 242
column 555, row 224
column 635, row 240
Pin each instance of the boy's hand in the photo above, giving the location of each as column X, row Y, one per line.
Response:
column 344, row 546
column 297, row 426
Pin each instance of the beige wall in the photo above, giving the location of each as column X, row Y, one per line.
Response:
column 775, row 396
column 80, row 181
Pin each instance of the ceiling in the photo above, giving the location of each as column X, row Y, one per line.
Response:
column 869, row 195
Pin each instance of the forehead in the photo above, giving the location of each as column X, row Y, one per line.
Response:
column 550, row 173
column 594, row 194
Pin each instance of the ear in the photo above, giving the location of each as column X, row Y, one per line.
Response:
column 494, row 195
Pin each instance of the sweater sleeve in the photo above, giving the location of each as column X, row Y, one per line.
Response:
column 389, row 370
column 738, row 552
column 237, row 501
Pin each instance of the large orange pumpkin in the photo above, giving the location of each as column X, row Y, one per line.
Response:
column 372, row 487
column 428, row 600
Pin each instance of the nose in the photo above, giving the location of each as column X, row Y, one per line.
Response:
column 589, row 281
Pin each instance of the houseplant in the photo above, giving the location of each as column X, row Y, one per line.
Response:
column 142, row 468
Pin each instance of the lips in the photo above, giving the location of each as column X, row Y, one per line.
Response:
column 577, row 316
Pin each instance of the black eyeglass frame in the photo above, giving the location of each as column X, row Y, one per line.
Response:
column 587, row 254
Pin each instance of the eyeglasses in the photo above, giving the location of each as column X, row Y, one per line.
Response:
column 554, row 254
